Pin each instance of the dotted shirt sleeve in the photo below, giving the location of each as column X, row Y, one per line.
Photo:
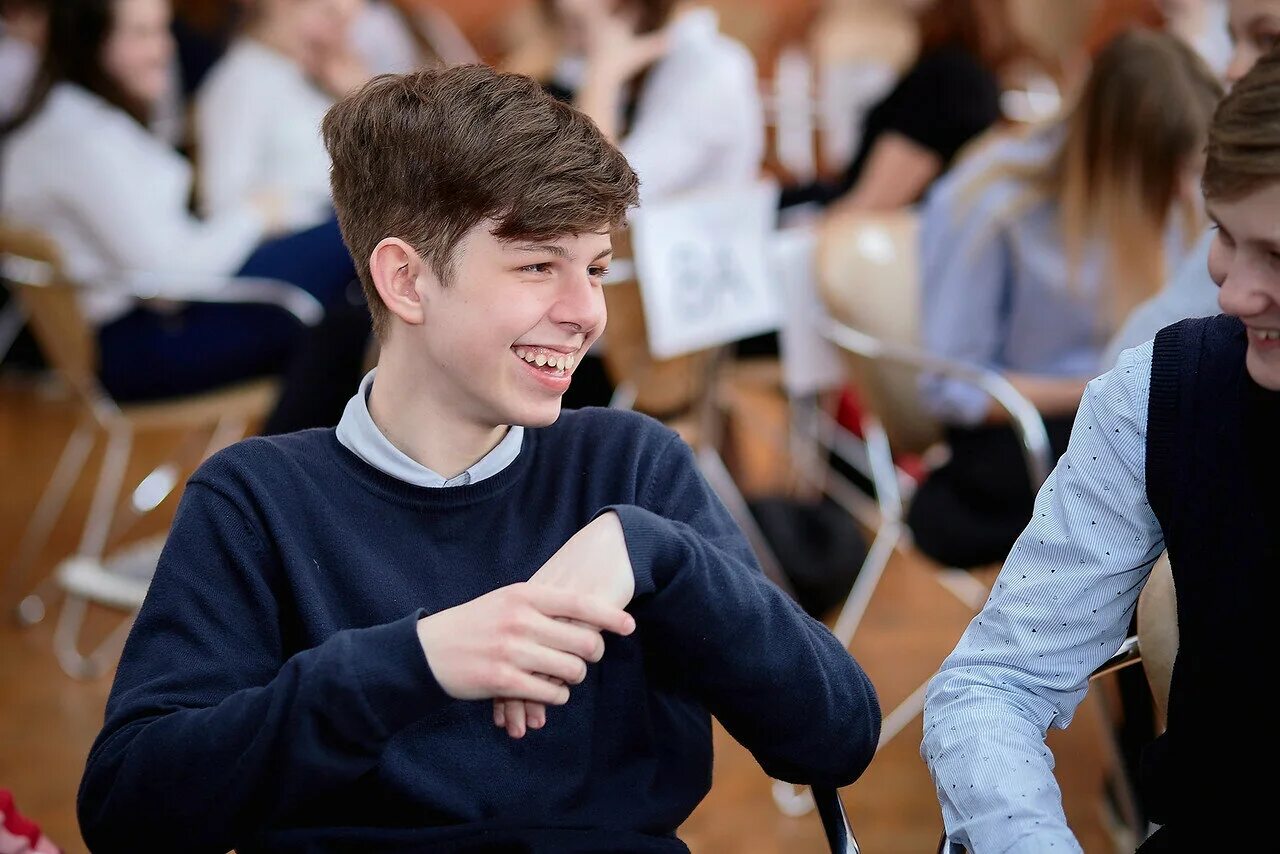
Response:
column 1061, row 606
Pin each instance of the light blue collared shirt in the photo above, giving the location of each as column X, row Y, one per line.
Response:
column 358, row 432
column 1061, row 606
column 997, row 288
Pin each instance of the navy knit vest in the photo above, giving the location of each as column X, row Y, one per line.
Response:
column 1212, row 439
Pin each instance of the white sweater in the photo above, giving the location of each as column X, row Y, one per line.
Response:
column 258, row 129
column 699, row 119
column 114, row 198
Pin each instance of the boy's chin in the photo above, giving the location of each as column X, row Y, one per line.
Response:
column 1264, row 368
column 542, row 415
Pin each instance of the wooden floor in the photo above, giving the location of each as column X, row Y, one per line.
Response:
column 48, row 721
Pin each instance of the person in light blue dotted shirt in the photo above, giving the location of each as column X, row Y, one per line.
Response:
column 1172, row 450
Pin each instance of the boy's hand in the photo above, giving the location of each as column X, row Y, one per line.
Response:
column 496, row 646
column 616, row 52
column 593, row 562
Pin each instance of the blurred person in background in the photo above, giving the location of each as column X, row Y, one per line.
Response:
column 658, row 77
column 1254, row 30
column 948, row 97
column 81, row 167
column 1033, row 256
column 382, row 37
column 1204, row 25
column 258, row 112
column 23, row 24
column 680, row 98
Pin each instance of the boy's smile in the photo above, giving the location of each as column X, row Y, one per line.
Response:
column 1244, row 261
column 551, row 366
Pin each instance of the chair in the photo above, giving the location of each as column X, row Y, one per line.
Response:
column 684, row 392
column 1154, row 646
column 869, row 283
column 835, row 822
column 49, row 298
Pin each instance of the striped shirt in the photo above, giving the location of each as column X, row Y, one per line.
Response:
column 1061, row 606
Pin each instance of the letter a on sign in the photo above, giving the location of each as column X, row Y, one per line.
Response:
column 703, row 266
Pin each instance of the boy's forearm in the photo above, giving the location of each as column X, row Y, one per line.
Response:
column 778, row 680
column 197, row 779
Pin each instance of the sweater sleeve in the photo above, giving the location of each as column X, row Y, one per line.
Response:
column 210, row 727
column 777, row 679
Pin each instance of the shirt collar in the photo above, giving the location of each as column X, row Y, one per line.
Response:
column 358, row 432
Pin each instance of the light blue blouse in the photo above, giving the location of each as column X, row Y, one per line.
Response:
column 997, row 290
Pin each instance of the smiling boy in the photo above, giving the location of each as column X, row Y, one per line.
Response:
column 1175, row 450
column 336, row 613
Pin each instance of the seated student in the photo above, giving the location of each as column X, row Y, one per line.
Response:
column 334, row 611
column 80, row 166
column 680, row 98
column 1174, row 449
column 1254, row 27
column 1031, row 255
column 258, row 111
column 949, row 96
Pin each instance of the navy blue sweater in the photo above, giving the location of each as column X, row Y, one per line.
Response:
column 273, row 695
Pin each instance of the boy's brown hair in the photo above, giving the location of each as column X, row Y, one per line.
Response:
column 1244, row 137
column 426, row 156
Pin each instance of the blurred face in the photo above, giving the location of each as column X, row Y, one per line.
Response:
column 503, row 339
column 1244, row 261
column 139, row 51
column 1255, row 29
column 311, row 28
column 579, row 20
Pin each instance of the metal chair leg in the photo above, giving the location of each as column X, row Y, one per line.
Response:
column 66, row 638
column 12, row 319
column 94, row 539
column 50, row 506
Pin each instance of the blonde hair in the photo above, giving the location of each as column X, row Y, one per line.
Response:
column 1141, row 119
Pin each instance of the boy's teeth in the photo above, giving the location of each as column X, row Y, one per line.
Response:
column 559, row 363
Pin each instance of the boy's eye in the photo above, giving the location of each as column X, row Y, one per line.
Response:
column 597, row 272
column 544, row 267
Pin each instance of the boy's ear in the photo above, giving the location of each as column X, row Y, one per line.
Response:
column 396, row 268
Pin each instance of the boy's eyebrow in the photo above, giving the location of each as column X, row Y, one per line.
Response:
column 549, row 248
column 558, row 251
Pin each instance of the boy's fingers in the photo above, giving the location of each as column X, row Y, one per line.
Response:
column 499, row 713
column 574, row 638
column 564, row 666
column 591, row 610
column 514, row 714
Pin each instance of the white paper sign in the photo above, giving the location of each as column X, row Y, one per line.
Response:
column 810, row 363
column 702, row 263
